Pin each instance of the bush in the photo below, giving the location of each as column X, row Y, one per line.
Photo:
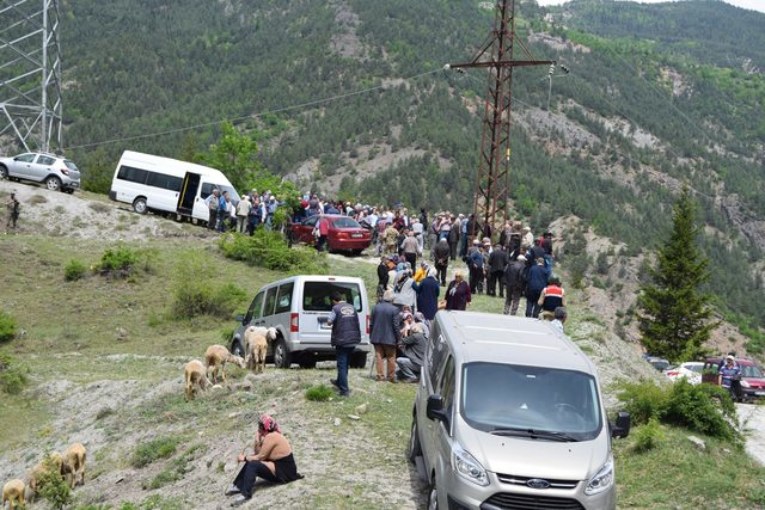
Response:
column 52, row 486
column 154, row 450
column 196, row 292
column 644, row 400
column 74, row 270
column 12, row 377
column 7, row 327
column 269, row 249
column 648, row 436
column 120, row 258
column 319, row 393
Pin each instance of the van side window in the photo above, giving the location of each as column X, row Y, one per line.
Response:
column 128, row 173
column 446, row 387
column 256, row 308
column 436, row 355
column 284, row 298
column 270, row 301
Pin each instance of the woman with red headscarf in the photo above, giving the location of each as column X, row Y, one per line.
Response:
column 271, row 460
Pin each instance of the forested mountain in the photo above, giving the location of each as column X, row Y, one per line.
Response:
column 350, row 97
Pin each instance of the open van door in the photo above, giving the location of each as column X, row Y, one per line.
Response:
column 188, row 194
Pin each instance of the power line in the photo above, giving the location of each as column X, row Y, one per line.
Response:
column 251, row 116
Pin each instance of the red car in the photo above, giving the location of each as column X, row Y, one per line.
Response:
column 345, row 234
column 752, row 378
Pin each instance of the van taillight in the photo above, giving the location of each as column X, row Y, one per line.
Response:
column 294, row 323
column 368, row 320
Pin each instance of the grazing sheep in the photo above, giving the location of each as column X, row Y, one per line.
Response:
column 216, row 357
column 195, row 376
column 13, row 493
column 41, row 468
column 256, row 342
column 73, row 465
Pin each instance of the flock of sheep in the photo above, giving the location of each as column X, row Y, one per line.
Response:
column 70, row 466
column 198, row 375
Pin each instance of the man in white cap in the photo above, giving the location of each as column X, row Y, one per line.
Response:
column 242, row 211
column 515, row 283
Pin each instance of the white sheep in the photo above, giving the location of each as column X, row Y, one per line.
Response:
column 13, row 494
column 73, row 465
column 256, row 345
column 216, row 357
column 195, row 376
column 33, row 478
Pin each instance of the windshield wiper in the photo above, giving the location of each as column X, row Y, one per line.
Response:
column 534, row 434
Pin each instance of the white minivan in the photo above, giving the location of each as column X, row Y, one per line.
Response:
column 298, row 307
column 509, row 414
column 155, row 183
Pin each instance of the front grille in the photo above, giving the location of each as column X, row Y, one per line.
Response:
column 506, row 501
column 521, row 481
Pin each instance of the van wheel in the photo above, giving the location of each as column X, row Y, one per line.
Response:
column 236, row 348
column 358, row 360
column 3, row 173
column 282, row 357
column 433, row 495
column 53, row 183
column 415, row 448
column 139, row 205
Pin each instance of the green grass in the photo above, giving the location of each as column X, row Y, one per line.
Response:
column 154, row 450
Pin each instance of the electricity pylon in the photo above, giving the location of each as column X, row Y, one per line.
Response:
column 30, row 73
column 492, row 182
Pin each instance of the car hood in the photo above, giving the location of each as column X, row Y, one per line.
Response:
column 537, row 458
column 755, row 382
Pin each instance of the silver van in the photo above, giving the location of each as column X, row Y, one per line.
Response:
column 298, row 307
column 509, row 414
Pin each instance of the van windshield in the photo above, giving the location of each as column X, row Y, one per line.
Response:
column 515, row 399
column 316, row 295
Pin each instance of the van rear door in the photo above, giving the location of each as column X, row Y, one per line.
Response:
column 188, row 194
column 316, row 306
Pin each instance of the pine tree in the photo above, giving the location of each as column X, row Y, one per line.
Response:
column 674, row 315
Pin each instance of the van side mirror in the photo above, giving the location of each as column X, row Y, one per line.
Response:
column 239, row 318
column 621, row 428
column 435, row 409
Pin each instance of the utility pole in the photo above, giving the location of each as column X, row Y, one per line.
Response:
column 30, row 73
column 492, row 180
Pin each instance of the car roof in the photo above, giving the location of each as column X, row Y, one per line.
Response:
column 488, row 337
column 740, row 361
column 315, row 278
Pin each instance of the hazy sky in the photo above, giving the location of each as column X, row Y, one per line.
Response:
column 756, row 5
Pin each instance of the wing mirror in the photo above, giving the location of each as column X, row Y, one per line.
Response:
column 435, row 409
column 621, row 428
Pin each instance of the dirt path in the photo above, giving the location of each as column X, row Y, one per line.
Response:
column 752, row 418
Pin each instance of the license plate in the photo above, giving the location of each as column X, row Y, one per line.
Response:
column 357, row 235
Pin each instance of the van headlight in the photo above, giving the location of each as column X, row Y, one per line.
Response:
column 467, row 467
column 603, row 480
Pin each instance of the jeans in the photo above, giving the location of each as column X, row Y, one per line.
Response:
column 512, row 300
column 407, row 369
column 245, row 480
column 343, row 358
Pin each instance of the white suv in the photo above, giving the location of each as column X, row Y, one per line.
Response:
column 56, row 172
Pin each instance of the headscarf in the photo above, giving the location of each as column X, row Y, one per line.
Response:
column 268, row 424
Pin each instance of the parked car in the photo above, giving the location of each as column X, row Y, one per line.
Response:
column 345, row 233
column 752, row 376
column 56, row 172
column 658, row 363
column 298, row 307
column 509, row 414
column 690, row 371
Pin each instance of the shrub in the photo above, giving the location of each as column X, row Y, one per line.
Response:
column 37, row 199
column 648, row 436
column 643, row 400
column 695, row 408
column 52, row 486
column 319, row 393
column 12, row 377
column 269, row 249
column 74, row 270
column 99, row 207
column 7, row 327
column 196, row 292
column 156, row 449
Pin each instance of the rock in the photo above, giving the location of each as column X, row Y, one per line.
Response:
column 354, row 417
column 234, row 414
column 362, row 409
column 217, row 387
column 337, row 422
column 245, row 386
column 122, row 334
column 698, row 442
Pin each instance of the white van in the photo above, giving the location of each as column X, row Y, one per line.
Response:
column 154, row 183
column 298, row 307
column 509, row 414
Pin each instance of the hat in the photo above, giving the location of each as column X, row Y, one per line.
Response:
column 475, row 241
column 487, row 243
column 486, row 240
column 521, row 258
column 244, row 197
column 729, row 357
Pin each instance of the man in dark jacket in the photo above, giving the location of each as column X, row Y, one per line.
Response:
column 385, row 334
column 536, row 281
column 497, row 264
column 515, row 281
column 427, row 294
column 441, row 255
column 413, row 350
column 346, row 334
column 382, row 277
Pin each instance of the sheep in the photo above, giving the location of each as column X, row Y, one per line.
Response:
column 216, row 357
column 256, row 342
column 13, row 493
column 195, row 375
column 73, row 465
column 33, row 479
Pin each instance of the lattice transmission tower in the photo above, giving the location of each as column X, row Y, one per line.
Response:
column 30, row 73
column 492, row 183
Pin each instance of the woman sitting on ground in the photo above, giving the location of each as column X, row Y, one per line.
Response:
column 271, row 460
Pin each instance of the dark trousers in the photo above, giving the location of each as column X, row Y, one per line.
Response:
column 343, row 358
column 213, row 219
column 512, row 300
column 321, row 242
column 245, row 480
column 532, row 308
column 476, row 279
column 494, row 278
column 442, row 273
column 412, row 259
